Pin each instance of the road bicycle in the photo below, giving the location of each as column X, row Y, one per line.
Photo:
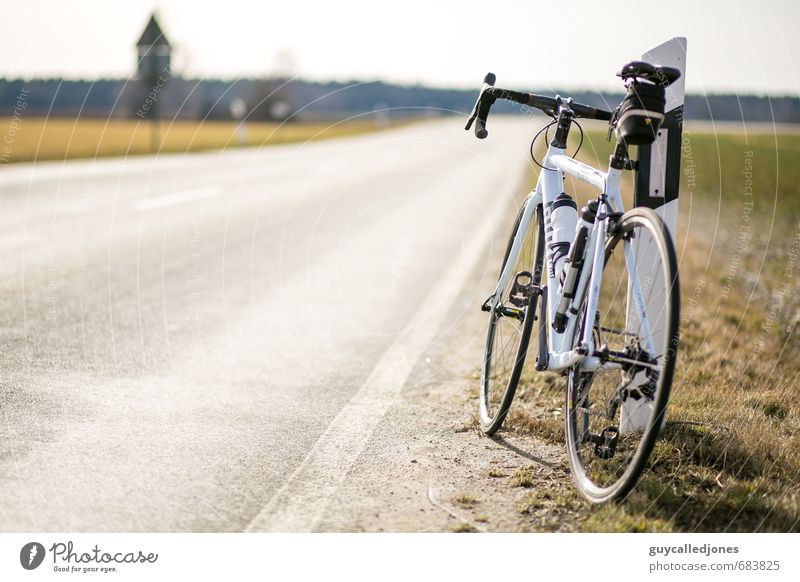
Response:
column 602, row 285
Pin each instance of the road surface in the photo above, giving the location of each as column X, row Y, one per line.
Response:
column 206, row 342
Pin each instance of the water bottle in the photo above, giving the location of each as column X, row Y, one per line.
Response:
column 573, row 265
column 563, row 219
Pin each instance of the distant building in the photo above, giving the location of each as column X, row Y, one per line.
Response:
column 156, row 90
column 153, row 51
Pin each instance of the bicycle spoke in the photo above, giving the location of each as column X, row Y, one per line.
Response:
column 619, row 404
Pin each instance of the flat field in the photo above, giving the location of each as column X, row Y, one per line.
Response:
column 36, row 138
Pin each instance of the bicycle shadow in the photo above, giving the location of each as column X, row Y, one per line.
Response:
column 522, row 453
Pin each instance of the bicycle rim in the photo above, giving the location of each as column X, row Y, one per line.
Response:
column 508, row 338
column 613, row 416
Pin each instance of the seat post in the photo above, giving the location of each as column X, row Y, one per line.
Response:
column 619, row 158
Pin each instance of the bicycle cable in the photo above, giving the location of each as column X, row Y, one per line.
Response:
column 580, row 143
column 533, row 142
column 545, row 129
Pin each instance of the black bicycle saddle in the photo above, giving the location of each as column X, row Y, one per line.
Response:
column 663, row 76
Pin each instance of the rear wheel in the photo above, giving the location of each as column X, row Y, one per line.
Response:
column 511, row 318
column 613, row 415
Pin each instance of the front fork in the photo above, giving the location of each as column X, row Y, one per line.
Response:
column 533, row 199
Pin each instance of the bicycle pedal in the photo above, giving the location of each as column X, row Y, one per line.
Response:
column 521, row 289
column 486, row 307
column 510, row 312
column 605, row 443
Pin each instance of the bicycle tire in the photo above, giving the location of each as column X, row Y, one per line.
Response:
column 590, row 400
column 499, row 376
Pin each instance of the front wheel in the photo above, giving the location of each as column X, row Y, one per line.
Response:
column 511, row 317
column 614, row 413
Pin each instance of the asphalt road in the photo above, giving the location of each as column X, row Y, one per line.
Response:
column 179, row 333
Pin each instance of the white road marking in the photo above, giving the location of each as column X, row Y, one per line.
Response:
column 300, row 503
column 178, row 197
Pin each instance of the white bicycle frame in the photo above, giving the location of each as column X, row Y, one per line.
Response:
column 561, row 354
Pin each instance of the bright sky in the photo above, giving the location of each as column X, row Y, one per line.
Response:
column 748, row 46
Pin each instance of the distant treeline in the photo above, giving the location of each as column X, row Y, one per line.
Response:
column 277, row 99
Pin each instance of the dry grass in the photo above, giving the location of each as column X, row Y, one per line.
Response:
column 541, row 411
column 462, row 527
column 530, row 503
column 523, row 477
column 58, row 139
column 729, row 457
column 465, row 500
column 495, row 473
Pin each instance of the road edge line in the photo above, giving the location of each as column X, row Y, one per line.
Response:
column 300, row 503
